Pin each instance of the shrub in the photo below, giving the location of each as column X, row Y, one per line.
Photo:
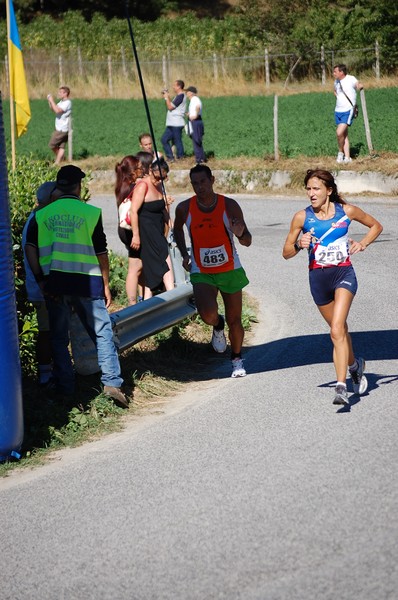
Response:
column 23, row 182
column 22, row 185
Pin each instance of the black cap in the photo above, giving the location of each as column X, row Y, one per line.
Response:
column 192, row 89
column 69, row 175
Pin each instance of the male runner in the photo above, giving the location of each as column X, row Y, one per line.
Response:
column 212, row 221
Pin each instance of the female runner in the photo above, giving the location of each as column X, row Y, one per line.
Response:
column 333, row 284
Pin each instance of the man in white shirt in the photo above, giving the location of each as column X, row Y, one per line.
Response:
column 345, row 90
column 196, row 127
column 63, row 111
column 174, row 121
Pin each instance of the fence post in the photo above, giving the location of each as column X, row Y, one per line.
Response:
column 80, row 61
column 276, row 143
column 366, row 121
column 60, row 70
column 164, row 71
column 124, row 66
column 377, row 66
column 215, row 66
column 290, row 74
column 70, row 139
column 110, row 83
column 223, row 69
column 323, row 65
column 266, row 63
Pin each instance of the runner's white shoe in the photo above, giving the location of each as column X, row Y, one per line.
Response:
column 238, row 369
column 359, row 381
column 347, row 159
column 218, row 340
column 340, row 157
column 340, row 396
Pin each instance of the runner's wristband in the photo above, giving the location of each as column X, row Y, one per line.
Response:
column 297, row 247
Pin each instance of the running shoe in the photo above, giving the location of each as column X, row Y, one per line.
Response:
column 340, row 396
column 359, row 381
column 347, row 159
column 218, row 340
column 340, row 157
column 238, row 370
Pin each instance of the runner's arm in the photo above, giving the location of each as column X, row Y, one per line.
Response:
column 375, row 228
column 178, row 232
column 293, row 245
column 237, row 222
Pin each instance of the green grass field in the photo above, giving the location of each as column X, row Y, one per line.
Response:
column 234, row 126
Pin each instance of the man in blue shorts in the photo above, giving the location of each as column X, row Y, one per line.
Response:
column 345, row 90
column 212, row 221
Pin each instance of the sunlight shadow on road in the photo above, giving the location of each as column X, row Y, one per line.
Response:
column 315, row 349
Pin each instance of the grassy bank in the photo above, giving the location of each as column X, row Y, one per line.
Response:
column 154, row 370
column 234, row 127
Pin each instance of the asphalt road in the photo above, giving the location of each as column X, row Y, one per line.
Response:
column 252, row 489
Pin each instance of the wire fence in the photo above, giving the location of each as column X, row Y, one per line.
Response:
column 266, row 68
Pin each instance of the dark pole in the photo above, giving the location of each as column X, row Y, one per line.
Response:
column 148, row 114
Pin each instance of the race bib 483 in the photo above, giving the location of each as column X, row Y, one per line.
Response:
column 213, row 257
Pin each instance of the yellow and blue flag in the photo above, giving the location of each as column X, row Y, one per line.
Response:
column 18, row 87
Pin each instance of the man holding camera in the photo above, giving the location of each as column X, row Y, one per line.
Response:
column 63, row 111
column 174, row 121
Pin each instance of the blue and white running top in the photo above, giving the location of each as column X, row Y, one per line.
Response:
column 329, row 243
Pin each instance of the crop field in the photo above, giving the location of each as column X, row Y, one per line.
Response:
column 234, row 126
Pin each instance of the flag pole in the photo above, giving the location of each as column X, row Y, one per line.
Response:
column 10, row 75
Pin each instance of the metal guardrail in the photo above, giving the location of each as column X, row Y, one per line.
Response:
column 134, row 323
column 144, row 319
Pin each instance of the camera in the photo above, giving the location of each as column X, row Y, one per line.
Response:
column 165, row 91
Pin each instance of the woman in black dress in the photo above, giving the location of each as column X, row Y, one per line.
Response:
column 148, row 219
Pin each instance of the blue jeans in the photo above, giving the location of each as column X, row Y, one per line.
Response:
column 174, row 135
column 198, row 132
column 96, row 320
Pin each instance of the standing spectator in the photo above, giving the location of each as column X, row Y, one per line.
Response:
column 148, row 219
column 63, row 112
column 127, row 172
column 212, row 221
column 345, row 90
column 146, row 145
column 175, row 122
column 197, row 129
column 44, row 195
column 67, row 252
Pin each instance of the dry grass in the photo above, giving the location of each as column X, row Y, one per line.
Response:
column 386, row 163
column 227, row 84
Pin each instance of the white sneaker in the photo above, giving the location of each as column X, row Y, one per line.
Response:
column 359, row 381
column 340, row 157
column 238, row 369
column 218, row 340
column 347, row 159
column 340, row 396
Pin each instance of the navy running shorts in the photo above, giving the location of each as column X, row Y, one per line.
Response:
column 324, row 282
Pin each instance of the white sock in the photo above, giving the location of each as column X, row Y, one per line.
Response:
column 341, row 383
